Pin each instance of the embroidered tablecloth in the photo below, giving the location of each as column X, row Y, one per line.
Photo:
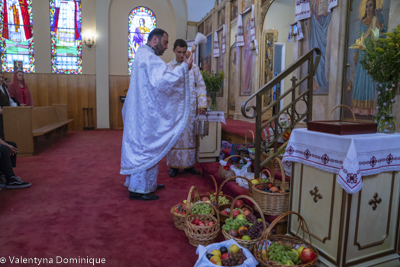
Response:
column 213, row 116
column 349, row 156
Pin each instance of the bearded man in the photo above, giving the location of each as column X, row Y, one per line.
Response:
column 185, row 152
column 155, row 113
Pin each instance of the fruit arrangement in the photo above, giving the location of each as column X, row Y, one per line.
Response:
column 244, row 227
column 202, row 209
column 224, row 257
column 287, row 255
column 201, row 223
column 221, row 200
column 270, row 188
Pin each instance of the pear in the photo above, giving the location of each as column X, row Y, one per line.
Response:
column 233, row 248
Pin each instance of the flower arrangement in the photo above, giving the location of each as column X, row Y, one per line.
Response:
column 382, row 61
column 213, row 83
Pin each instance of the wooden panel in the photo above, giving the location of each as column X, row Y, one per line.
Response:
column 118, row 83
column 18, row 128
column 43, row 116
column 78, row 91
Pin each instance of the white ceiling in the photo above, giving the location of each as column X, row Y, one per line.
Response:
column 197, row 9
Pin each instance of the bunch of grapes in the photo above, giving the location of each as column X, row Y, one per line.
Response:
column 255, row 230
column 201, row 209
column 221, row 200
column 233, row 224
column 281, row 253
column 234, row 259
column 251, row 218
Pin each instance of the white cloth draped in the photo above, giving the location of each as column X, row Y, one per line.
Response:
column 216, row 41
column 302, row 10
column 240, row 30
column 332, row 4
column 155, row 111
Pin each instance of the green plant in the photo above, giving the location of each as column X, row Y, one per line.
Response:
column 213, row 81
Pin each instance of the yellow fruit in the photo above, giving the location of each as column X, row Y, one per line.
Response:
column 216, row 252
column 264, row 253
column 246, row 237
column 255, row 181
column 233, row 249
column 216, row 260
column 300, row 249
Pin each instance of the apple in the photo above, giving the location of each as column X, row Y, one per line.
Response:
column 210, row 223
column 300, row 249
column 238, row 203
column 246, row 212
column 235, row 213
column 216, row 260
column 255, row 181
column 233, row 233
column 233, row 248
column 196, row 221
column 307, row 255
column 225, row 212
column 204, row 199
column 225, row 256
column 216, row 252
column 241, row 217
column 201, row 223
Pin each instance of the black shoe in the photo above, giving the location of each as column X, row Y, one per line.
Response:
column 173, row 172
column 145, row 197
column 192, row 171
column 15, row 182
column 160, row 186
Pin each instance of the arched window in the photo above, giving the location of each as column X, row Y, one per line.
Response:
column 141, row 22
column 16, row 42
column 66, row 37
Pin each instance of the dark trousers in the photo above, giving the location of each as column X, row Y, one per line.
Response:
column 7, row 162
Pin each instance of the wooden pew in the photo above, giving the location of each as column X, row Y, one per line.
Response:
column 23, row 125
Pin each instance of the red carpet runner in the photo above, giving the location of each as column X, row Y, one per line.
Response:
column 78, row 207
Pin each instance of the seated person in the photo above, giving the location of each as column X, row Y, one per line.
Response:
column 8, row 160
column 7, row 82
column 19, row 90
column 5, row 100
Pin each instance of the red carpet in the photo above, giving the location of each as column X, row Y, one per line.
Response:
column 78, row 207
column 240, row 128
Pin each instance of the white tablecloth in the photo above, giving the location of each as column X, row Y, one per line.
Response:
column 349, row 156
column 213, row 116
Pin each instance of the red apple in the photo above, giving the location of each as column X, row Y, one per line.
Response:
column 235, row 213
column 196, row 221
column 210, row 223
column 238, row 203
column 246, row 212
column 307, row 255
column 225, row 212
column 224, row 256
column 201, row 223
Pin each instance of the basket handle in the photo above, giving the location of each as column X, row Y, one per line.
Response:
column 282, row 172
column 208, row 185
column 255, row 205
column 233, row 178
column 230, row 157
column 245, row 136
column 265, row 170
column 302, row 224
column 189, row 198
column 189, row 212
column 352, row 113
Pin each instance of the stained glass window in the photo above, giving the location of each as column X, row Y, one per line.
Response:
column 66, row 36
column 141, row 22
column 16, row 36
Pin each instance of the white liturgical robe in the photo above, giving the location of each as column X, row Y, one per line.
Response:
column 155, row 113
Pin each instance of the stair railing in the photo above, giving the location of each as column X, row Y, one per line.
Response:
column 295, row 115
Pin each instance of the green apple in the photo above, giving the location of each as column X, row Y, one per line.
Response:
column 241, row 217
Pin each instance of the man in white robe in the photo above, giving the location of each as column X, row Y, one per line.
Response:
column 155, row 113
column 185, row 153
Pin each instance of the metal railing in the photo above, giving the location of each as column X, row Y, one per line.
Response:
column 295, row 115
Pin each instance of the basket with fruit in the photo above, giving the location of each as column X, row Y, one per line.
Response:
column 283, row 250
column 224, row 209
column 246, row 230
column 233, row 256
column 227, row 169
column 273, row 197
column 202, row 227
column 210, row 196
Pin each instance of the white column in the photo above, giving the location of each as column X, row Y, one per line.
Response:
column 102, row 64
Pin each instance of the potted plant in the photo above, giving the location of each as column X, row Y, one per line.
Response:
column 213, row 83
column 381, row 59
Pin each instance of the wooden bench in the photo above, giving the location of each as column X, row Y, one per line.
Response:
column 23, row 125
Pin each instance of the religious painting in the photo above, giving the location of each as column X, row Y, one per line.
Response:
column 234, row 9
column 140, row 23
column 318, row 32
column 232, row 77
column 16, row 32
column 221, row 17
column 359, row 90
column 66, row 36
column 208, row 26
column 248, row 60
column 18, row 65
column 200, row 28
column 246, row 4
column 205, row 53
column 220, row 60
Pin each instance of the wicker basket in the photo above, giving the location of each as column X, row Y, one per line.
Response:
column 285, row 239
column 249, row 244
column 209, row 192
column 224, row 174
column 245, row 152
column 273, row 203
column 270, row 164
column 179, row 218
column 202, row 235
column 224, row 206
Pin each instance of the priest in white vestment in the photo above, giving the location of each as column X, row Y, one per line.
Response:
column 155, row 113
column 185, row 153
